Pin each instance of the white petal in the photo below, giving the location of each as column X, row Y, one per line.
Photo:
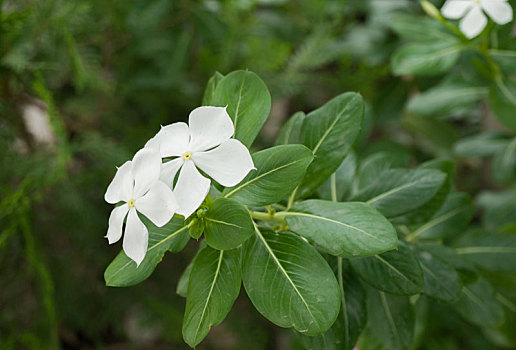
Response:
column 121, row 187
column 146, row 169
column 173, row 140
column 158, row 205
column 454, row 9
column 209, row 127
column 116, row 220
column 169, row 171
column 473, row 23
column 191, row 189
column 227, row 164
column 136, row 237
column 500, row 11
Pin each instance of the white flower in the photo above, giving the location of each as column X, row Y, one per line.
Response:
column 206, row 144
column 474, row 19
column 137, row 184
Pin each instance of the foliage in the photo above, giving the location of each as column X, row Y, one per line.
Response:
column 385, row 219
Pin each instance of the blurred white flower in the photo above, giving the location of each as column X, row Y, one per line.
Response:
column 206, row 144
column 137, row 184
column 472, row 13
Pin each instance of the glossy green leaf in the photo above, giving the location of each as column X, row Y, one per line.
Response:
column 502, row 100
column 213, row 286
column 345, row 229
column 248, row 103
column 446, row 99
column 209, row 92
column 426, row 59
column 329, row 132
column 290, row 132
column 279, row 170
column 398, row 191
column 340, row 181
column 227, row 224
column 489, row 251
column 396, row 272
column 373, row 165
column 289, row 282
column 452, row 218
column 391, row 322
column 123, row 271
column 441, row 280
column 478, row 304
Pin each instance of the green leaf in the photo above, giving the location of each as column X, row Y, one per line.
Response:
column 248, row 101
column 398, row 191
column 209, row 92
column 353, row 314
column 213, row 286
column 341, row 180
column 489, row 251
column 344, row 229
column 505, row 58
column 329, row 132
column 391, row 322
column 446, row 99
column 499, row 209
column 227, row 224
column 373, row 165
column 426, row 59
column 502, row 100
column 482, row 145
column 182, row 284
column 441, row 280
column 452, row 218
column 279, row 170
column 123, row 272
column 426, row 211
column 479, row 305
column 396, row 272
column 504, row 164
column 289, row 282
column 352, row 317
column 420, row 28
column 290, row 132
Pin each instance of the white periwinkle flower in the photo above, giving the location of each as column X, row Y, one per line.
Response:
column 206, row 144
column 472, row 14
column 137, row 184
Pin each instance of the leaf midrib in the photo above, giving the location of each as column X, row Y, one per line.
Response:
column 224, row 223
column 208, row 298
column 322, row 218
column 284, row 272
column 394, row 269
column 245, row 184
column 396, row 189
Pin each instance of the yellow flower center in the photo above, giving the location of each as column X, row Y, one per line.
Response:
column 131, row 203
column 187, row 156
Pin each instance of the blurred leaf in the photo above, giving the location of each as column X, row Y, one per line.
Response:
column 504, row 164
column 426, row 59
column 502, row 100
column 485, row 144
column 291, row 131
column 209, row 92
column 478, row 304
column 488, row 251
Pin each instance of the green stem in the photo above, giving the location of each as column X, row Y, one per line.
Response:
column 272, row 217
column 292, row 198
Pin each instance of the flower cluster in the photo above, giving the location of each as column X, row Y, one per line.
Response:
column 472, row 13
column 149, row 186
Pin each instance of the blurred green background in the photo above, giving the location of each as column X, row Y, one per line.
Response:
column 83, row 85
